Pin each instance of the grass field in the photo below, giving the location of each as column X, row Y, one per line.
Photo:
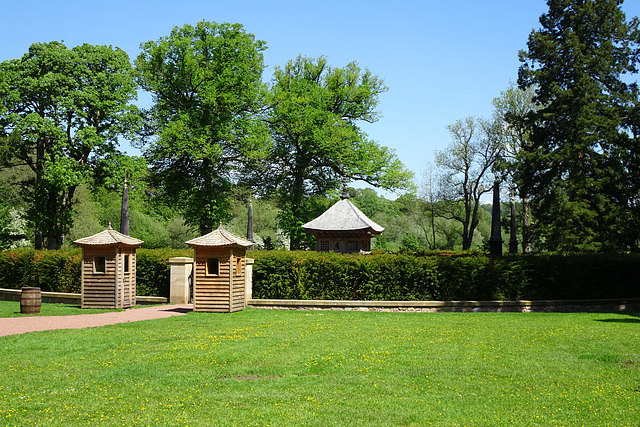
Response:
column 263, row 367
column 12, row 309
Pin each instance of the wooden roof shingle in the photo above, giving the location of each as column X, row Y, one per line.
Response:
column 219, row 237
column 108, row 237
column 343, row 216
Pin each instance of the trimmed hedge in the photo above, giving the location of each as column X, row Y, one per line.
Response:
column 384, row 277
column 445, row 277
column 59, row 271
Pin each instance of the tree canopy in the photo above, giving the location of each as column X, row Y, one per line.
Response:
column 314, row 116
column 61, row 109
column 511, row 109
column 205, row 120
column 467, row 165
column 581, row 169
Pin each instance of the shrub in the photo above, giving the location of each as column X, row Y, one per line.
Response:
column 59, row 271
column 153, row 269
column 444, row 276
column 380, row 276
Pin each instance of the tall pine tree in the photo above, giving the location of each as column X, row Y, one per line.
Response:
column 580, row 161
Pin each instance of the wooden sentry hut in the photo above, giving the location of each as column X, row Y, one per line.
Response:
column 108, row 269
column 220, row 268
column 343, row 228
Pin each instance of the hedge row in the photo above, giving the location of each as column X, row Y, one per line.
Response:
column 391, row 277
column 59, row 271
column 397, row 277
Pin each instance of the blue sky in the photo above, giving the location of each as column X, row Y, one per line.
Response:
column 442, row 60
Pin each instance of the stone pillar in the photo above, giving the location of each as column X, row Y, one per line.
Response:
column 181, row 268
column 495, row 241
column 248, row 280
column 513, row 238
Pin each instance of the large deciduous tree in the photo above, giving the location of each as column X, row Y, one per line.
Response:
column 62, row 108
column 511, row 108
column 207, row 90
column 466, row 167
column 581, row 169
column 316, row 110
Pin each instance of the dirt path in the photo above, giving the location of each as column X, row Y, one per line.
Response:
column 20, row 325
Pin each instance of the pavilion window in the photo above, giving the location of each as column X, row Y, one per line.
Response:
column 238, row 266
column 100, row 264
column 213, row 266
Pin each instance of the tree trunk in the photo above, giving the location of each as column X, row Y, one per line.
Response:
column 526, row 231
column 298, row 190
column 433, row 227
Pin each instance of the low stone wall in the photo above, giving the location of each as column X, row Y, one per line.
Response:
column 522, row 306
column 64, row 298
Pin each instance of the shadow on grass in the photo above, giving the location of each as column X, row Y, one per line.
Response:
column 623, row 320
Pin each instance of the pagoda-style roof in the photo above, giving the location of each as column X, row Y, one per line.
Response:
column 108, row 237
column 219, row 237
column 343, row 216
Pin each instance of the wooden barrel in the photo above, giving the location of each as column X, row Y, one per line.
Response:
column 30, row 300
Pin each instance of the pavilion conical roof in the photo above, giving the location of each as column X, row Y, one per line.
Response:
column 219, row 237
column 343, row 216
column 108, row 237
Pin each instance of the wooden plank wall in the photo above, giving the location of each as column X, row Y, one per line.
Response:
column 238, row 300
column 223, row 293
column 98, row 289
column 212, row 292
column 127, row 281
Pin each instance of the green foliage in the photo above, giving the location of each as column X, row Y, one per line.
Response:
column 55, row 271
column 579, row 167
column 314, row 119
column 512, row 108
column 62, row 109
column 469, row 276
column 266, row 232
column 153, row 270
column 206, row 82
column 410, row 243
column 115, row 168
column 393, row 277
column 59, row 271
column 467, row 165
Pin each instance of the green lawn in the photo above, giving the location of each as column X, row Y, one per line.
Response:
column 264, row 367
column 12, row 309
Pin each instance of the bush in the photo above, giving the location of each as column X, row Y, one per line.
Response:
column 59, row 271
column 54, row 271
column 380, row 276
column 444, row 276
column 153, row 269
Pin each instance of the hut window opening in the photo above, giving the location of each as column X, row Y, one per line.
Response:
column 324, row 245
column 238, row 266
column 353, row 246
column 213, row 266
column 100, row 264
column 126, row 263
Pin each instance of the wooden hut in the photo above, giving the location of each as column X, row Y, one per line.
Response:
column 220, row 268
column 343, row 228
column 108, row 269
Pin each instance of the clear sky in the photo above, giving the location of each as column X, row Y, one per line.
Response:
column 442, row 60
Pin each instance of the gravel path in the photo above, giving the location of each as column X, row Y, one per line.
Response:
column 20, row 325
